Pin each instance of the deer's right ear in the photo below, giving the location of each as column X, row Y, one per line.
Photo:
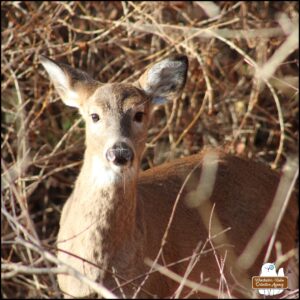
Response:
column 67, row 81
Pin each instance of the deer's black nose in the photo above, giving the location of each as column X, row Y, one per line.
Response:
column 120, row 154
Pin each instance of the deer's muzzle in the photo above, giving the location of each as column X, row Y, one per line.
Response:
column 120, row 154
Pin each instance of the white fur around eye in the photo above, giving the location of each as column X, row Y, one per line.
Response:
column 138, row 126
column 95, row 128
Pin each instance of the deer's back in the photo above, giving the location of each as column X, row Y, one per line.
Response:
column 243, row 192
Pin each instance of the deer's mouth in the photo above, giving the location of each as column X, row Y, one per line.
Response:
column 112, row 172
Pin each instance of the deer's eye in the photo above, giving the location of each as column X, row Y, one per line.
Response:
column 138, row 117
column 95, row 117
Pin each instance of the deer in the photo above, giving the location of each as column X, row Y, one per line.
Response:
column 136, row 232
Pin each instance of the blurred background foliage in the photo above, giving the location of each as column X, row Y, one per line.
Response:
column 224, row 104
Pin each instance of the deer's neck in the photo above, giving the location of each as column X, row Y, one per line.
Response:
column 108, row 205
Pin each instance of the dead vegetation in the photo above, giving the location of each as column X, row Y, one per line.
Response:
column 241, row 94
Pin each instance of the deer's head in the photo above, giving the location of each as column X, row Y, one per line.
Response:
column 117, row 114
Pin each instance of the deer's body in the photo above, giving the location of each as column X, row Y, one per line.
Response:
column 116, row 218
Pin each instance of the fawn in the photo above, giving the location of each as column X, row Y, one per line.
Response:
column 183, row 215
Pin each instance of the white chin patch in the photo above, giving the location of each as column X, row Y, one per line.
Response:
column 110, row 174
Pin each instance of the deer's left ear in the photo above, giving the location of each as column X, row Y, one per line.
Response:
column 164, row 80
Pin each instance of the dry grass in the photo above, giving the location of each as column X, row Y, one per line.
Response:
column 241, row 94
